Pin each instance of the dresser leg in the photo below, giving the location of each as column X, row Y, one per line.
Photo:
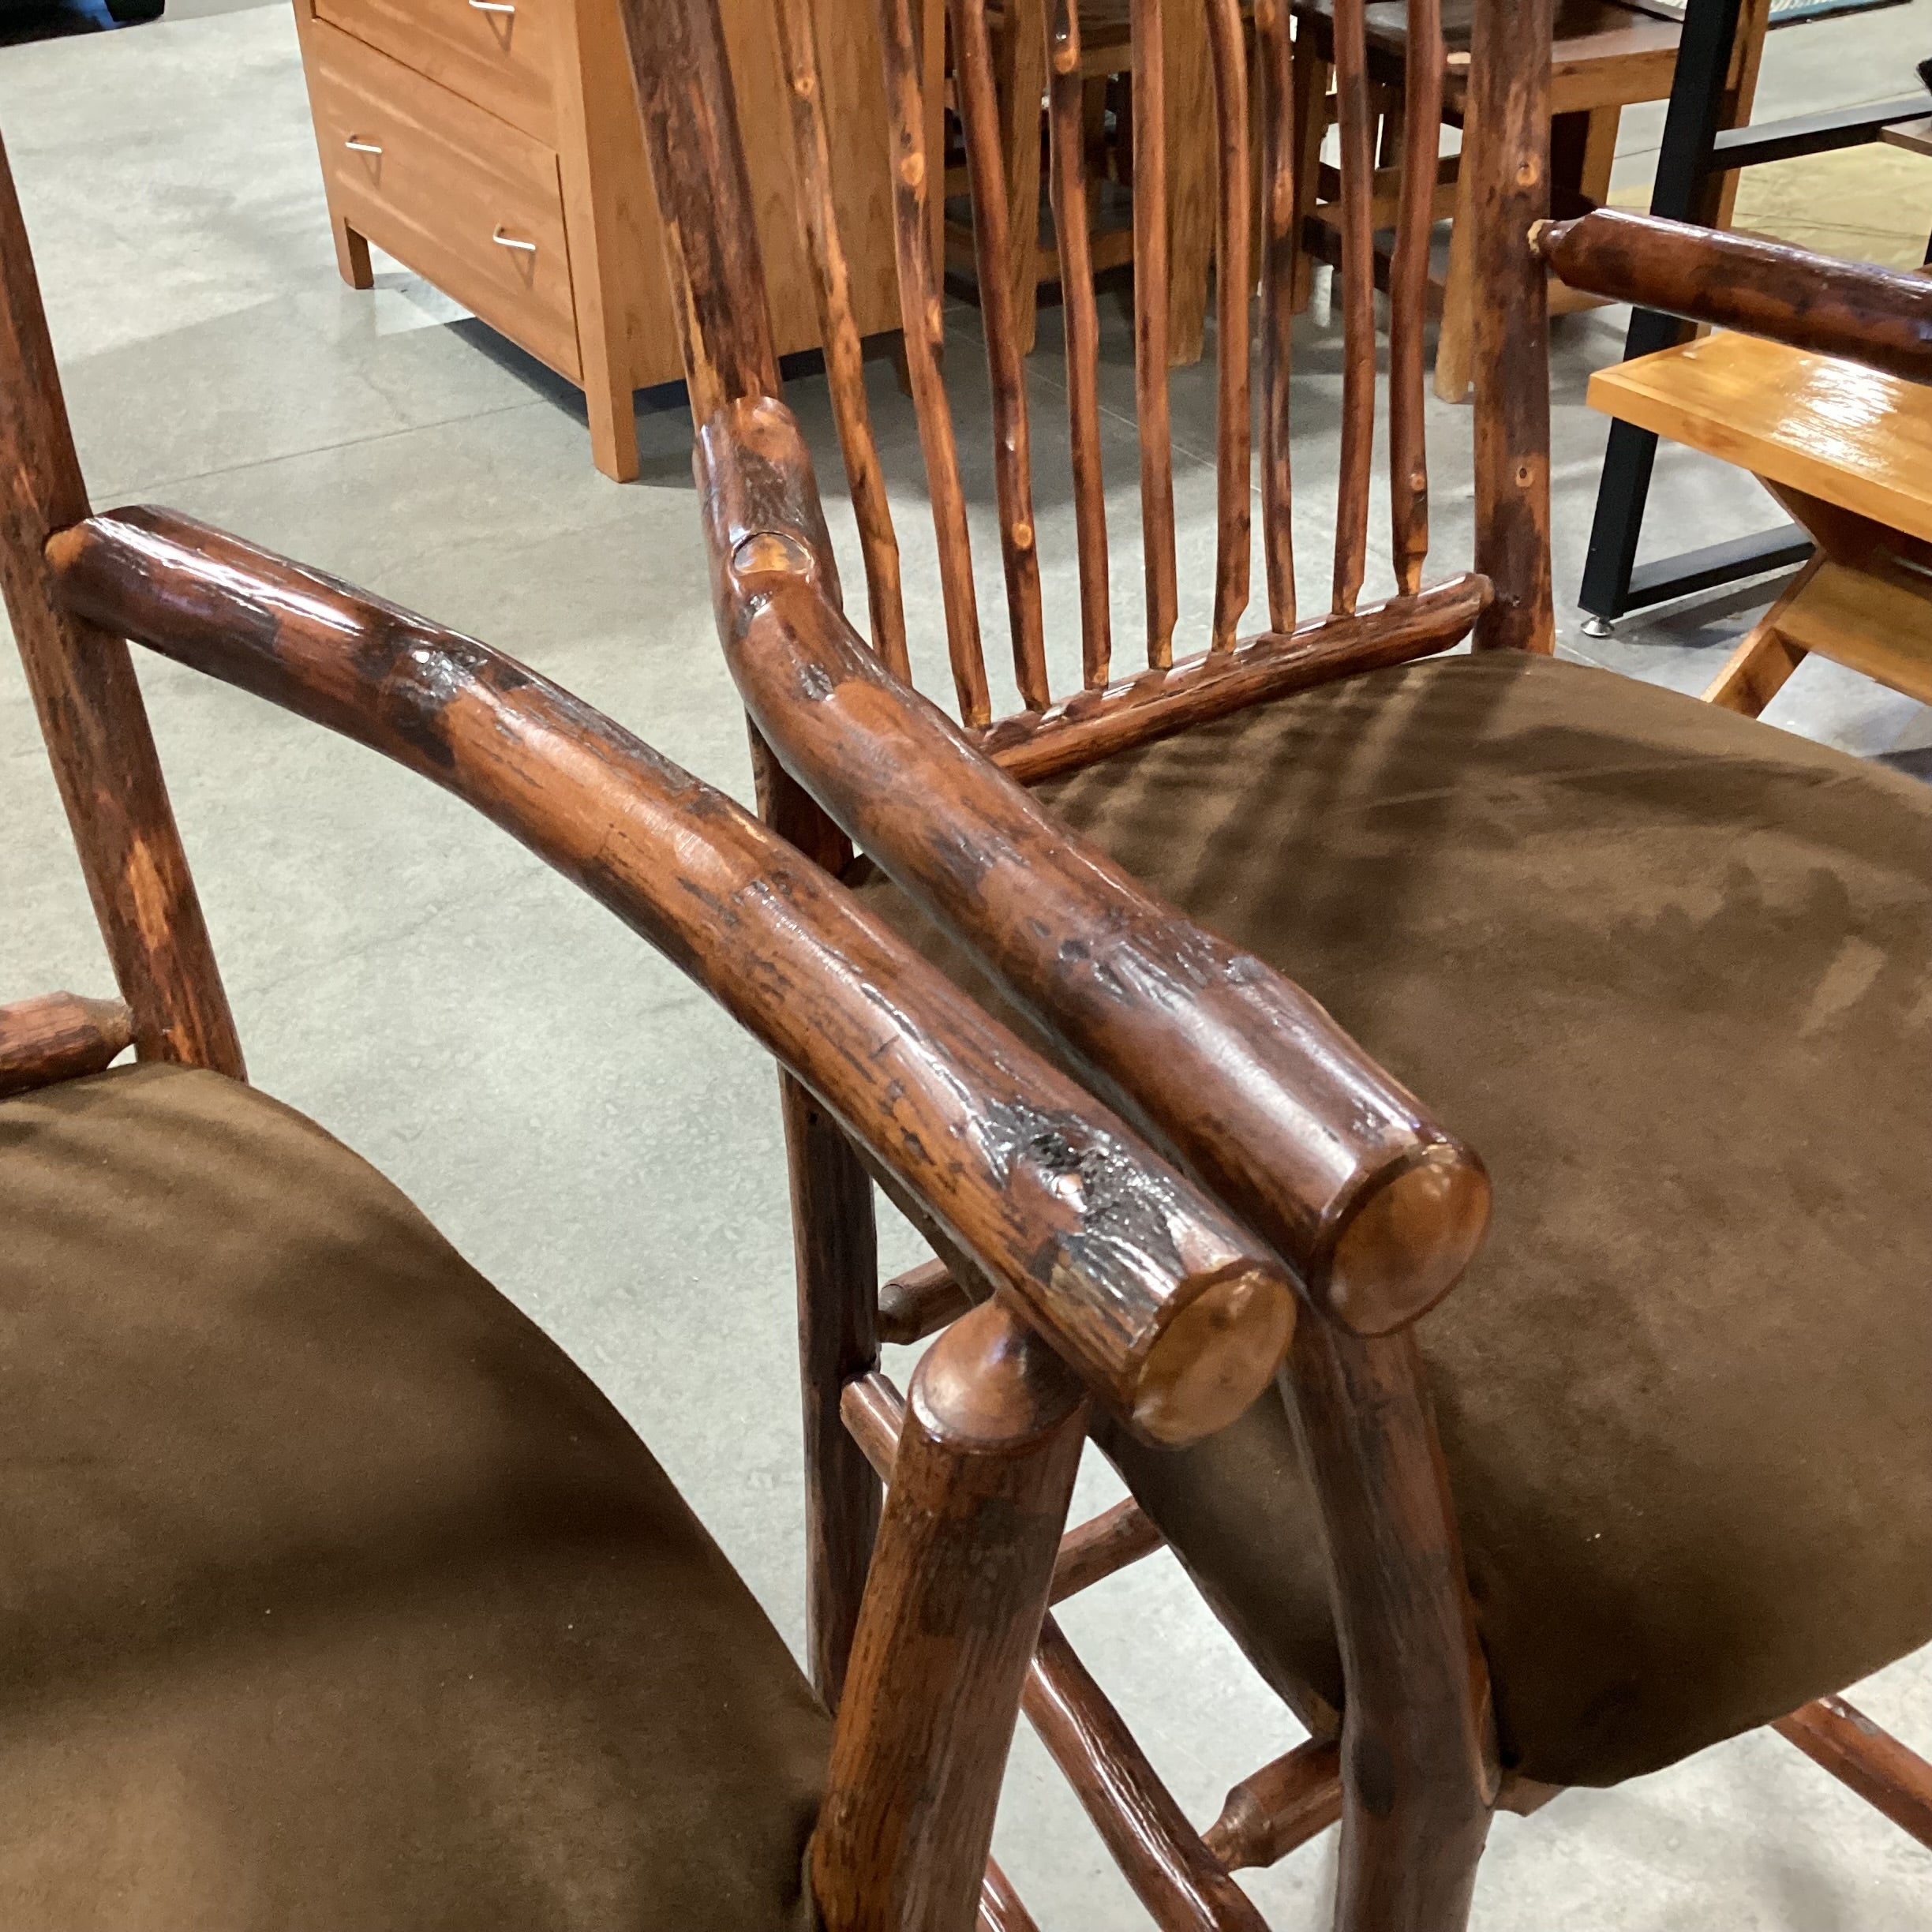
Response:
column 613, row 430
column 352, row 255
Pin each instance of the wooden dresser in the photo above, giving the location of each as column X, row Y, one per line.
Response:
column 494, row 147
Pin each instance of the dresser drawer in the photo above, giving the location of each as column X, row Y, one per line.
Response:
column 499, row 54
column 469, row 202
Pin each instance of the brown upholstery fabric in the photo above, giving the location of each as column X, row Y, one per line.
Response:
column 333, row 1598
column 1670, row 971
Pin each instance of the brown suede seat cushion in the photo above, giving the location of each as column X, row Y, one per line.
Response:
column 1670, row 972
column 333, row 1598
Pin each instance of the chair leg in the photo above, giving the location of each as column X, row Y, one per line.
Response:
column 1456, row 345
column 1405, row 1867
column 837, row 1258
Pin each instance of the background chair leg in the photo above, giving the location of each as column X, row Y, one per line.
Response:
column 1312, row 75
column 1455, row 345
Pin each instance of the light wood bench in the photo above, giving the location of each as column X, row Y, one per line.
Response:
column 1847, row 451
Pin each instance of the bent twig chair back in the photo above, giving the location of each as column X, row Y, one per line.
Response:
column 1428, row 1616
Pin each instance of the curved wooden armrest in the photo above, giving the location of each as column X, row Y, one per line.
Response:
column 1880, row 317
column 1262, row 1095
column 1175, row 1316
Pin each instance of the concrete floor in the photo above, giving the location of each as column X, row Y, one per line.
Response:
column 586, row 1129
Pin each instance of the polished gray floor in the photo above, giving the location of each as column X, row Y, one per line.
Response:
column 588, row 1129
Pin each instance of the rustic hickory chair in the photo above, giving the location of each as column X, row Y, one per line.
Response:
column 335, row 1595
column 1661, row 1470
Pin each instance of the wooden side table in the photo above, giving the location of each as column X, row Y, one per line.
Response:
column 494, row 147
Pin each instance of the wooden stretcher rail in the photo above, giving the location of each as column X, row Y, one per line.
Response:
column 59, row 1036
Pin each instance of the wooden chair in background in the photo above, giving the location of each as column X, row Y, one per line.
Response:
column 1660, row 1473
column 336, row 1596
column 1606, row 56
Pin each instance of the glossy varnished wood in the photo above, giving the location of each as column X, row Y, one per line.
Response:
column 1508, row 174
column 1175, row 1876
column 1356, row 274
column 1834, row 429
column 919, row 1303
column 980, row 1480
column 1108, row 1543
column 1378, row 1211
column 90, row 708
column 844, row 352
column 1294, row 1798
column 1880, row 318
column 1875, row 1764
column 954, row 1109
column 59, row 1036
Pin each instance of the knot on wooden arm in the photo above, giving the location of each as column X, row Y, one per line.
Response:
column 1374, row 1207
column 1173, row 1314
column 1880, row 317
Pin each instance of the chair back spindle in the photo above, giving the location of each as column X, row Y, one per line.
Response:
column 1247, row 84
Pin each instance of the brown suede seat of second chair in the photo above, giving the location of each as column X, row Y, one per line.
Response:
column 1656, row 1466
column 1666, row 972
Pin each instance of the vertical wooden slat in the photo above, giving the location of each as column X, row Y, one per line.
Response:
column 1279, row 251
column 1509, row 99
column 1356, row 277
column 843, row 353
column 1234, row 427
column 1013, row 455
column 689, row 105
column 1151, row 276
column 1408, row 294
column 1072, row 219
column 925, row 337
column 90, row 706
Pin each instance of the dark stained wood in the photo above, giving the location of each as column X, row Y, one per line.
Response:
column 1093, row 725
column 1509, row 106
column 1356, row 276
column 1409, row 277
column 1378, row 1211
column 1881, row 317
column 919, row 1303
column 59, row 1036
column 1162, row 1301
column 1012, row 459
column 1282, row 1806
column 685, row 90
column 1418, row 1765
column 925, row 339
column 1233, row 440
column 89, row 705
column 1173, row 1875
column 845, row 353
column 1274, row 64
column 1096, row 1549
column 1072, row 220
column 1876, row 1765
column 874, row 1412
column 836, row 1262
column 1152, row 406
column 985, row 1467
column 1001, row 1908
